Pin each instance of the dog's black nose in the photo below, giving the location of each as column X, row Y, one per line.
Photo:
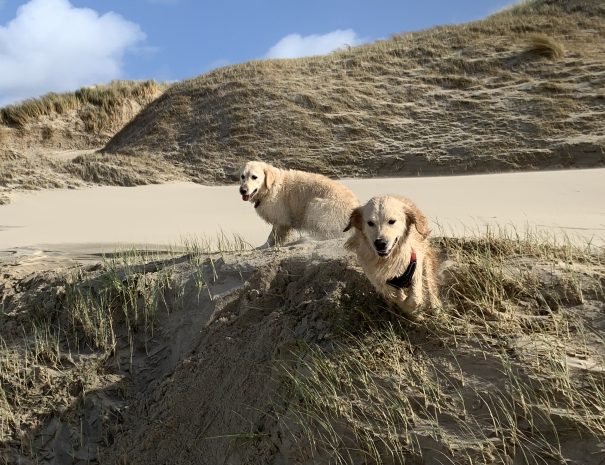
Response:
column 243, row 190
column 380, row 244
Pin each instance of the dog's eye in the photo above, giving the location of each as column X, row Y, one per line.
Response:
column 392, row 221
column 242, row 176
column 253, row 177
column 371, row 224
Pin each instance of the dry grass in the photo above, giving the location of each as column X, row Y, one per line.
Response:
column 510, row 369
column 112, row 170
column 491, row 380
column 446, row 100
column 97, row 104
column 384, row 399
column 27, row 172
column 51, row 104
column 60, row 344
column 35, row 133
column 451, row 99
column 543, row 46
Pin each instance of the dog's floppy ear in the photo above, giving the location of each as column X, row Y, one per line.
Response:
column 270, row 176
column 417, row 218
column 355, row 220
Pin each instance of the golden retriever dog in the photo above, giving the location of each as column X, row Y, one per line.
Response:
column 392, row 246
column 292, row 200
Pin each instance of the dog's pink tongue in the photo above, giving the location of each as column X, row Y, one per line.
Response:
column 245, row 198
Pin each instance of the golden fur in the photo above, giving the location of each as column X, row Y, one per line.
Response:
column 386, row 229
column 295, row 200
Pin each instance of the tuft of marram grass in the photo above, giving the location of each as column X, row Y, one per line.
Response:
column 131, row 292
column 543, row 46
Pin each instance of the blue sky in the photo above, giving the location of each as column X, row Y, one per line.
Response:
column 58, row 45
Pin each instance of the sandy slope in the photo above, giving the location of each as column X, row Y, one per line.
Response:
column 566, row 201
column 213, row 379
column 457, row 99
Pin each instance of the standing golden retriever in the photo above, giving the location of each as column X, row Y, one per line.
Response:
column 392, row 245
column 295, row 200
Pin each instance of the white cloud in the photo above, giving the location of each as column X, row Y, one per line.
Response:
column 295, row 45
column 53, row 46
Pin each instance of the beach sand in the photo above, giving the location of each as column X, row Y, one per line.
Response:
column 100, row 219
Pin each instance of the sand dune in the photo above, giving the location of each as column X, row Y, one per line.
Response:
column 100, row 218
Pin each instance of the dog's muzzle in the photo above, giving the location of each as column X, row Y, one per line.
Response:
column 382, row 247
column 245, row 196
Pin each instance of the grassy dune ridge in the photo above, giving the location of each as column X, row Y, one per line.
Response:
column 47, row 142
column 96, row 105
column 522, row 89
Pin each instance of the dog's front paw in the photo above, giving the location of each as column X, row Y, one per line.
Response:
column 410, row 307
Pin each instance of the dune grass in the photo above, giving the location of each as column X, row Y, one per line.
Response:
column 35, row 134
column 97, row 103
column 117, row 306
column 131, row 291
column 493, row 376
column 519, row 90
column 490, row 379
column 384, row 399
column 450, row 99
column 541, row 45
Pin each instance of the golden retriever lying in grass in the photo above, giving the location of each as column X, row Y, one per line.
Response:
column 295, row 200
column 392, row 245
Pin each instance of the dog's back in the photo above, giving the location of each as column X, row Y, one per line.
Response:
column 319, row 205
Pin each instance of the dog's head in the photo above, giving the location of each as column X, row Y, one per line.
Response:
column 256, row 178
column 386, row 221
